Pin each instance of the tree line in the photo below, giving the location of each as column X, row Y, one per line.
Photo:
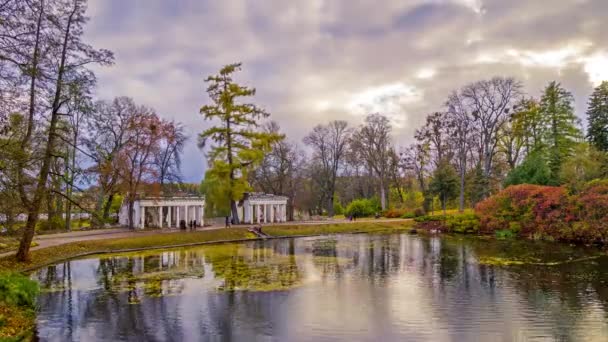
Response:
column 486, row 136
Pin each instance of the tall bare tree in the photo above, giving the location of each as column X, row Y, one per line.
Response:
column 490, row 103
column 373, row 142
column 329, row 143
column 168, row 161
column 460, row 122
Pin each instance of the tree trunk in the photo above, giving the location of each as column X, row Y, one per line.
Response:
column 235, row 212
column 462, row 184
column 382, row 195
column 130, row 214
column 106, row 208
column 330, row 206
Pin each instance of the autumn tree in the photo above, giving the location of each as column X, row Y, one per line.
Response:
column 136, row 164
column 329, row 143
column 237, row 145
column 597, row 117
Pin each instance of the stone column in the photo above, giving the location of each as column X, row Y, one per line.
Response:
column 169, row 216
column 177, row 209
column 259, row 213
column 160, row 217
column 142, row 218
column 202, row 213
column 284, row 212
column 272, row 212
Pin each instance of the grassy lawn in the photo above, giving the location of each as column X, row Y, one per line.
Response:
column 48, row 255
column 337, row 228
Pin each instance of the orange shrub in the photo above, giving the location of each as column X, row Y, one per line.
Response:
column 393, row 213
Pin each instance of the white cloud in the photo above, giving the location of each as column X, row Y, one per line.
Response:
column 596, row 66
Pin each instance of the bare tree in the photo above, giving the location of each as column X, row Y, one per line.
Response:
column 282, row 170
column 168, row 160
column 329, row 143
column 107, row 133
column 416, row 159
column 460, row 123
column 372, row 141
column 490, row 103
column 436, row 133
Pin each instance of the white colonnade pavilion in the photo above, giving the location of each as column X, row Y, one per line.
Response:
column 264, row 208
column 165, row 212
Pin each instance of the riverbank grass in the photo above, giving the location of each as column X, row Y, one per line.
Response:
column 50, row 255
column 339, row 228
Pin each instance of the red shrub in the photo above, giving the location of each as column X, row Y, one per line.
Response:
column 592, row 213
column 529, row 210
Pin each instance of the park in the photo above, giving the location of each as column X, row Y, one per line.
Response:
column 322, row 196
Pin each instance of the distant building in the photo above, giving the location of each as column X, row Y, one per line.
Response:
column 258, row 207
column 160, row 212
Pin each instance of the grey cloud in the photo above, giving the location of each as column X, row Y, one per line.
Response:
column 309, row 58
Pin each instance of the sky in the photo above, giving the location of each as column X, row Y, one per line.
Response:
column 313, row 61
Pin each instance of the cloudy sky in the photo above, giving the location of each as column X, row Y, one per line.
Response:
column 317, row 60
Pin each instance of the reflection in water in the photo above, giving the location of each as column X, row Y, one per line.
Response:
column 351, row 287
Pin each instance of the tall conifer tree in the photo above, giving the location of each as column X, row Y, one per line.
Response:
column 238, row 146
column 597, row 117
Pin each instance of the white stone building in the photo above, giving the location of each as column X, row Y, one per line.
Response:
column 262, row 208
column 164, row 212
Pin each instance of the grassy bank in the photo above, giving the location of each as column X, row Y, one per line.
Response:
column 338, row 228
column 53, row 254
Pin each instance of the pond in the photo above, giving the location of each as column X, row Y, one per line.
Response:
column 333, row 288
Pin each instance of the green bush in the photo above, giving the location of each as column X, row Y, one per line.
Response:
column 428, row 218
column 408, row 216
column 505, row 234
column 53, row 223
column 362, row 208
column 462, row 223
column 338, row 208
column 17, row 289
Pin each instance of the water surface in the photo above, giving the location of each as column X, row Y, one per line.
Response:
column 340, row 288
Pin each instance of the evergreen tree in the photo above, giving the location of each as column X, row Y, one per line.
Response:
column 561, row 133
column 597, row 117
column 444, row 183
column 533, row 170
column 238, row 145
